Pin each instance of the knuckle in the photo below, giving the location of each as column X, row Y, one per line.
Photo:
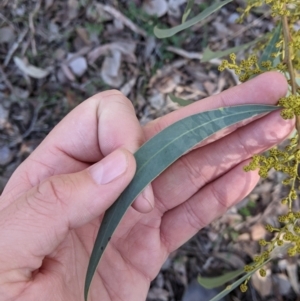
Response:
column 220, row 199
column 245, row 151
column 102, row 99
column 114, row 100
column 155, row 126
column 193, row 172
column 49, row 195
column 122, row 100
column 193, row 217
column 113, row 96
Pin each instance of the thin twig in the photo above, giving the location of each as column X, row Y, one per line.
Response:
column 15, row 46
column 32, row 28
column 127, row 22
column 198, row 56
column 83, row 51
column 288, row 61
column 2, row 5
column 245, row 28
column 33, row 121
column 287, row 51
column 7, row 21
column 6, row 80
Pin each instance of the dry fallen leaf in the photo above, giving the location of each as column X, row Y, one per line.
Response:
column 30, row 70
column 168, row 84
column 95, row 12
column 157, row 293
column 126, row 89
column 127, row 49
column 73, row 6
column 283, row 283
column 258, row 231
column 262, row 284
column 156, row 100
column 7, row 35
column 48, row 3
column 209, row 87
column 110, row 71
column 292, row 270
column 83, row 34
column 174, row 8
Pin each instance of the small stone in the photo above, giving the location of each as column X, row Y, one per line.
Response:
column 258, row 231
column 157, row 101
column 232, row 18
column 3, row 116
column 244, row 237
column 78, row 65
column 5, row 155
column 196, row 292
column 155, row 7
column 283, row 284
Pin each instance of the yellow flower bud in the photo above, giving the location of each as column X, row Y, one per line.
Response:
column 262, row 272
column 243, row 288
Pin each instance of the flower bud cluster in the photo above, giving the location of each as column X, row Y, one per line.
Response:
column 288, row 233
column 250, row 67
column 285, row 59
column 246, row 69
column 279, row 8
column 291, row 105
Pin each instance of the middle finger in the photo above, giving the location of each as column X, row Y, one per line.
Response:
column 203, row 165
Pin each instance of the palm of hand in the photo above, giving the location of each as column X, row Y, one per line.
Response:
column 188, row 195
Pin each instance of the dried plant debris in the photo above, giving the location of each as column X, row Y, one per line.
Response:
column 55, row 54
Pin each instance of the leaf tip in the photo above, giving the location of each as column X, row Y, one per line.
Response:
column 157, row 31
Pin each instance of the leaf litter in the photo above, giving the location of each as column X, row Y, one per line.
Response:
column 55, row 54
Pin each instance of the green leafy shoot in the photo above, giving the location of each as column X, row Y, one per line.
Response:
column 208, row 54
column 165, row 33
column 159, row 153
column 187, row 10
column 213, row 282
column 180, row 101
column 234, row 285
column 271, row 47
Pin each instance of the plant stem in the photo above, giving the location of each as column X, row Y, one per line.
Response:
column 288, row 60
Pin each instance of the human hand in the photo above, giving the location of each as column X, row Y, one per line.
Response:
column 51, row 209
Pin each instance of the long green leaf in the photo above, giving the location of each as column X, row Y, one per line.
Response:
column 187, row 10
column 165, row 33
column 209, row 54
column 180, row 101
column 234, row 285
column 213, row 282
column 271, row 47
column 160, row 152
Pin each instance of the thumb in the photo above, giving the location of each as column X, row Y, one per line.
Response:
column 35, row 224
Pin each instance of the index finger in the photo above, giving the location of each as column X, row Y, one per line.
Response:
column 95, row 128
column 263, row 89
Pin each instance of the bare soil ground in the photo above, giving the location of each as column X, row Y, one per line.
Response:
column 54, row 54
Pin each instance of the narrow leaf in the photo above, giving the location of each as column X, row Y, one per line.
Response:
column 234, row 285
column 271, row 47
column 209, row 54
column 165, row 33
column 213, row 282
column 180, row 101
column 160, row 152
column 187, row 10
column 30, row 70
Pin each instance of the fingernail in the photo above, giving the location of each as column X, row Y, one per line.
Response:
column 109, row 168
